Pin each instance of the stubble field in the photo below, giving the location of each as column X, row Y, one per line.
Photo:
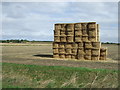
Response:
column 41, row 54
column 32, row 66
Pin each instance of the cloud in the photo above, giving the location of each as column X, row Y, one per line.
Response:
column 35, row 20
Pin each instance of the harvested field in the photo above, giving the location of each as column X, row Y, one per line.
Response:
column 41, row 54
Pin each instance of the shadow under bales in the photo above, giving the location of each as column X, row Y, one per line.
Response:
column 44, row 55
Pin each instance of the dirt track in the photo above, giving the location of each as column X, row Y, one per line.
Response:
column 41, row 54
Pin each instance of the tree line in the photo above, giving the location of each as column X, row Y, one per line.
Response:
column 20, row 41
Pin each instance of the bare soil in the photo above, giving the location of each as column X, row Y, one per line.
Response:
column 41, row 54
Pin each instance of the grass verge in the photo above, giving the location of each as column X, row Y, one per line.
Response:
column 35, row 76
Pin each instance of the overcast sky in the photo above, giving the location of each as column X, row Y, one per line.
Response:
column 35, row 20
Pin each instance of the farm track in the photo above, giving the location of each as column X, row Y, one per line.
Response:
column 41, row 54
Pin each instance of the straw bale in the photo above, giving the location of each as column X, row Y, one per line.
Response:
column 68, row 50
column 103, row 51
column 80, row 51
column 62, row 55
column 74, row 45
column 95, row 51
column 103, row 58
column 92, row 25
column 57, row 26
column 57, row 32
column 70, row 32
column 88, row 44
column 74, row 51
column 55, row 45
column 68, row 56
column 62, row 32
column 78, row 32
column 93, row 57
column 78, row 38
column 55, row 50
column 98, row 26
column 73, row 56
column 70, row 38
column 78, row 25
column 63, row 26
column 84, row 32
column 70, row 27
column 80, row 57
column 61, row 45
column 84, row 38
column 87, row 51
column 61, row 50
column 98, row 38
column 87, row 57
column 84, row 26
column 68, row 45
column 57, row 38
column 92, row 32
column 63, row 38
column 80, row 44
column 56, row 56
column 92, row 38
column 96, row 44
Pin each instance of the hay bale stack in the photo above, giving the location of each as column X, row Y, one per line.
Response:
column 61, row 45
column 84, row 38
column 56, row 38
column 61, row 50
column 68, row 50
column 57, row 26
column 92, row 25
column 62, row 38
column 55, row 50
column 80, row 45
column 78, row 32
column 68, row 56
column 78, row 41
column 55, row 55
column 103, row 53
column 87, row 57
column 96, row 44
column 95, row 57
column 57, row 32
column 87, row 45
column 70, row 27
column 95, row 51
column 55, row 45
column 74, row 45
column 88, row 51
column 70, row 38
column 98, row 32
column 78, row 38
column 74, row 51
column 73, row 56
column 92, row 38
column 78, row 26
column 62, row 55
column 62, row 32
column 80, row 54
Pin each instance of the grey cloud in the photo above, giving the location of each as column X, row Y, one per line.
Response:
column 36, row 20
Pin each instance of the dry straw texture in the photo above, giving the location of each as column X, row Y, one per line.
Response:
column 56, row 55
column 70, row 39
column 78, row 41
column 62, row 38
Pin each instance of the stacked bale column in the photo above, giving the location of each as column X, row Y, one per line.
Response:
column 78, row 41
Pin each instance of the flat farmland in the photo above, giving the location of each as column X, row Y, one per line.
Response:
column 41, row 54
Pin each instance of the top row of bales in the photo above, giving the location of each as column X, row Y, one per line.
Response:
column 76, row 32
